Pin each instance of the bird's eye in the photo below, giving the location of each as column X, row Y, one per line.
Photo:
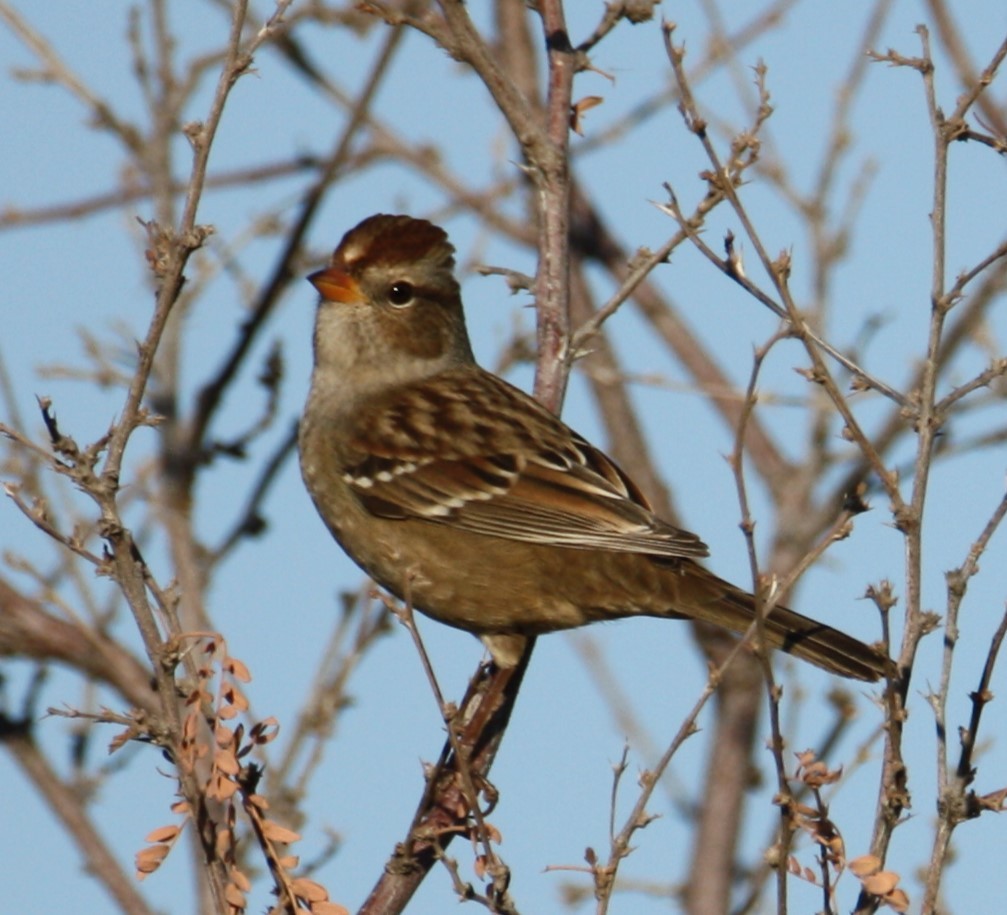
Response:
column 401, row 293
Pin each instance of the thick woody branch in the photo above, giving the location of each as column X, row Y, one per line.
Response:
column 481, row 721
column 29, row 631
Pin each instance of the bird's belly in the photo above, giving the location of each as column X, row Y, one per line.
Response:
column 494, row 585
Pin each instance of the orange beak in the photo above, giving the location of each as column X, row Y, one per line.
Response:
column 336, row 286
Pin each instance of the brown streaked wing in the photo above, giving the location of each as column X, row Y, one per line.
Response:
column 535, row 480
column 575, row 509
column 436, row 490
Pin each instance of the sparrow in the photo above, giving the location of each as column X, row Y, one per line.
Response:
column 465, row 497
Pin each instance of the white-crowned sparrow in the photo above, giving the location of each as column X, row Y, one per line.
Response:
column 461, row 494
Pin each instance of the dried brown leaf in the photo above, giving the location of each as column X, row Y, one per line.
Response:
column 234, row 696
column 329, row 908
column 258, row 802
column 120, row 740
column 865, row 865
column 897, row 900
column 163, row 834
column 195, row 697
column 805, row 758
column 308, row 890
column 239, row 879
column 881, row 883
column 235, row 897
column 993, row 801
column 237, row 669
column 149, row 859
column 190, row 725
column 265, row 731
column 578, row 109
column 226, row 761
column 277, row 833
column 220, row 787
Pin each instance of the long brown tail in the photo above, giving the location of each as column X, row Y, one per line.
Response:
column 707, row 597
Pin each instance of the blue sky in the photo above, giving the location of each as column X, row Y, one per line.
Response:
column 275, row 598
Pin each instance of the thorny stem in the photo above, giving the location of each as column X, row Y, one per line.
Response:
column 893, row 796
column 953, row 803
column 786, row 829
column 496, row 867
column 638, row 817
column 211, row 394
column 169, row 253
